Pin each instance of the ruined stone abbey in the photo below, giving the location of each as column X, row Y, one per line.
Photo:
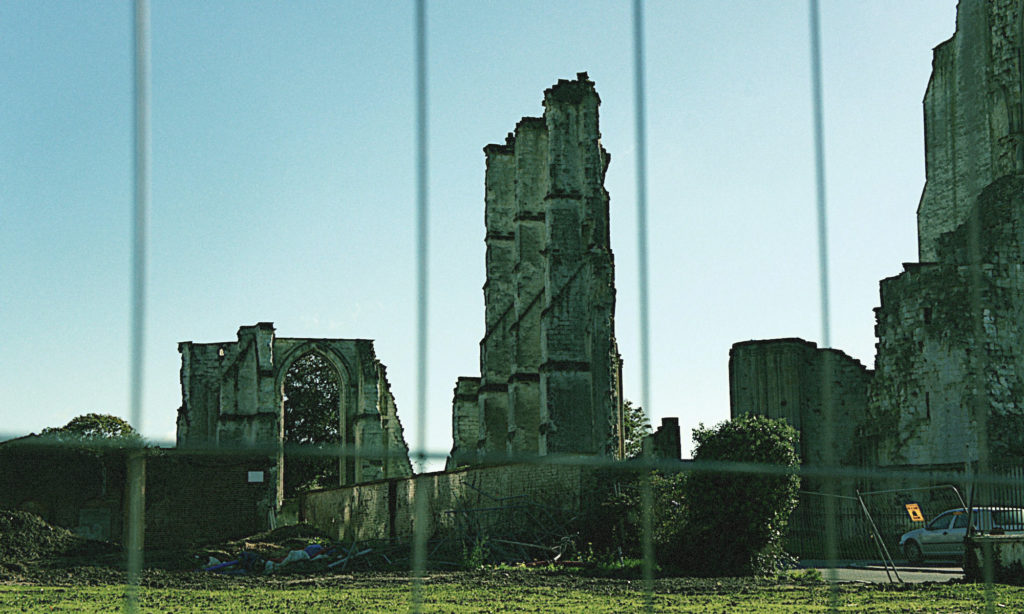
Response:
column 549, row 364
column 232, row 395
column 949, row 370
column 946, row 391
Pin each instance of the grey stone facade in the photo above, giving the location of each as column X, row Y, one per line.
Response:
column 549, row 363
column 232, row 396
column 665, row 442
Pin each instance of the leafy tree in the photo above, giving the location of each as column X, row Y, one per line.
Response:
column 735, row 522
column 94, row 427
column 311, row 400
column 635, row 427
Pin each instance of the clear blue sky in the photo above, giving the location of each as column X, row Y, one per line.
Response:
column 283, row 182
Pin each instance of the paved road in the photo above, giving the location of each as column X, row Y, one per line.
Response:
column 872, row 572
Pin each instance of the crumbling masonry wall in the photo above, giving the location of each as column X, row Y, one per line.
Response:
column 785, row 378
column 549, row 363
column 190, row 499
column 937, row 364
column 949, row 328
column 494, row 495
column 232, row 397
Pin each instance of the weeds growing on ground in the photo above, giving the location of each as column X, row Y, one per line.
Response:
column 518, row 589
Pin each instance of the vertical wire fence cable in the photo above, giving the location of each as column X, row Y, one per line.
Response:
column 647, row 500
column 980, row 403
column 831, row 551
column 419, row 546
column 136, row 461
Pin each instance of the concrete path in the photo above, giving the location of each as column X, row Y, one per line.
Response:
column 874, row 572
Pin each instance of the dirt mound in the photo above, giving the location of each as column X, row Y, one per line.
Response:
column 280, row 535
column 26, row 538
column 277, row 542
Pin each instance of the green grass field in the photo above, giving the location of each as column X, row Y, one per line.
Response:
column 498, row 592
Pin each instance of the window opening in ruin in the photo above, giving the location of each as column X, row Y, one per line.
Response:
column 927, row 315
column 312, row 409
column 928, row 405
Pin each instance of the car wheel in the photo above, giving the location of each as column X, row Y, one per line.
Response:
column 913, row 552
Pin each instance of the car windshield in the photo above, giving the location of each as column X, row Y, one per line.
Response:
column 941, row 522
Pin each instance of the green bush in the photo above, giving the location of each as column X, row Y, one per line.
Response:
column 733, row 522
column 609, row 521
column 610, row 525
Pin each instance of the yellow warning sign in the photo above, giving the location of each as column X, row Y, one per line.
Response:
column 915, row 512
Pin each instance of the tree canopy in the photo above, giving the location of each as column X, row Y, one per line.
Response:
column 635, row 427
column 93, row 427
column 311, row 402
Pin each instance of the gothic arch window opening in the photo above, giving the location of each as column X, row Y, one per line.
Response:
column 314, row 425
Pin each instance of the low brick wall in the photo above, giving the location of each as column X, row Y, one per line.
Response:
column 488, row 498
column 197, row 499
column 74, row 488
column 190, row 499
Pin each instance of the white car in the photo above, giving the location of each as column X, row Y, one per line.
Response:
column 943, row 537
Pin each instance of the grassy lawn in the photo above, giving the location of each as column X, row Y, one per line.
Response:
column 509, row 594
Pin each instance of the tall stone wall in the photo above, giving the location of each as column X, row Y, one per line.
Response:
column 233, row 397
column 466, row 426
column 973, row 115
column 531, row 187
column 948, row 355
column 786, row 379
column 549, row 364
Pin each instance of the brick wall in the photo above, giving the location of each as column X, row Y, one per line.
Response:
column 190, row 499
column 195, row 499
column 69, row 487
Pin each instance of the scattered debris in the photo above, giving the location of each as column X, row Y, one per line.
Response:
column 531, row 532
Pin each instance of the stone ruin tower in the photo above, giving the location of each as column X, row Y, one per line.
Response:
column 973, row 118
column 950, row 365
column 948, row 384
column 549, row 365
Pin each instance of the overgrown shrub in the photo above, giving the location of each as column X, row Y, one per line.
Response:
column 734, row 521
column 611, row 521
column 668, row 511
column 704, row 523
column 608, row 524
